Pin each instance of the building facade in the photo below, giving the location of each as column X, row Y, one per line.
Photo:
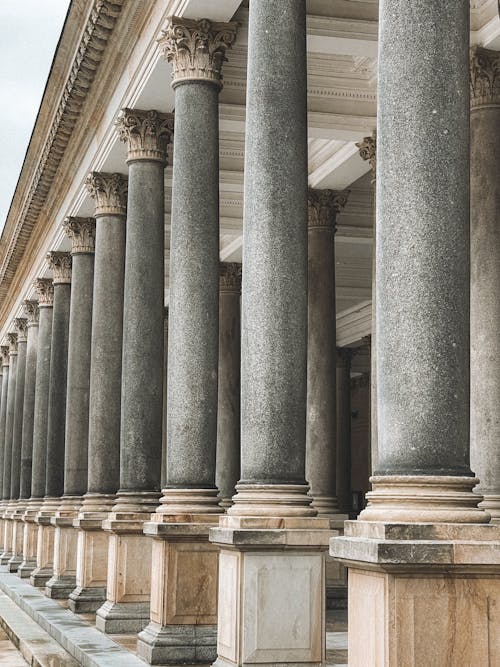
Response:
column 250, row 263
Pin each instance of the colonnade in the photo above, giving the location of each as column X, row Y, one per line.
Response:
column 255, row 480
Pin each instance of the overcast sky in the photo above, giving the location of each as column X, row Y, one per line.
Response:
column 29, row 32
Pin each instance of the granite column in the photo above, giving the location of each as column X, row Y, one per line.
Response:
column 7, row 463
column 21, row 325
column 44, row 548
column 30, row 529
column 60, row 264
column 196, row 50
column 485, row 275
column 227, row 472
column 81, row 231
column 3, row 417
column 110, row 194
column 421, row 542
column 272, row 511
column 147, row 134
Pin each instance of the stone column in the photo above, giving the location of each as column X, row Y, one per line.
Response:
column 420, row 542
column 271, row 503
column 60, row 264
column 81, row 231
column 21, row 325
column 128, row 581
column 7, row 463
column 28, row 561
column 110, row 194
column 196, row 50
column 343, row 472
column 368, row 151
column 44, row 548
column 227, row 472
column 4, row 349
column 485, row 275
column 321, row 446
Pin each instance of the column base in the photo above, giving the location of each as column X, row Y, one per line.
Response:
column 13, row 563
column 271, row 590
column 424, row 594
column 491, row 504
column 86, row 600
column 183, row 584
column 122, row 617
column 177, row 644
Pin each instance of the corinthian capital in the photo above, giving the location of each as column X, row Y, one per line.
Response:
column 197, row 49
column 484, row 77
column 81, row 231
column 4, row 351
column 323, row 206
column 368, row 152
column 147, row 134
column 109, row 192
column 45, row 289
column 60, row 263
column 31, row 311
column 230, row 277
column 21, row 324
column 12, row 338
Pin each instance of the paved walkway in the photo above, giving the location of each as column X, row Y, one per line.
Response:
column 9, row 655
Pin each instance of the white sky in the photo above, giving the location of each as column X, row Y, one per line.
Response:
column 29, row 32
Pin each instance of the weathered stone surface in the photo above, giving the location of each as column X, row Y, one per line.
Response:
column 32, row 312
column 3, row 407
column 21, row 324
column 9, row 417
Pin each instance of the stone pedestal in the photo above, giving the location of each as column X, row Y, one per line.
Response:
column 30, row 539
column 7, row 535
column 44, row 569
column 17, row 537
column 271, row 590
column 63, row 581
column 183, row 618
column 129, row 572
column 92, row 554
column 422, row 594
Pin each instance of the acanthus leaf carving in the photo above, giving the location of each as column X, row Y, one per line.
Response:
column 230, row 277
column 60, row 264
column 12, row 338
column 109, row 192
column 368, row 152
column 81, row 231
column 147, row 133
column 484, row 76
column 45, row 290
column 197, row 49
column 31, row 311
column 323, row 206
column 4, row 351
column 21, row 324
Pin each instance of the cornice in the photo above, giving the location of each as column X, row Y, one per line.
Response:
column 23, row 217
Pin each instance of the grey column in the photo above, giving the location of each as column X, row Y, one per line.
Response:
column 274, row 298
column 81, row 231
column 321, row 436
column 21, row 325
column 485, row 275
column 9, row 418
column 32, row 312
column 147, row 134
column 422, row 273
column 343, row 472
column 110, row 194
column 45, row 291
column 194, row 258
column 3, row 408
column 60, row 263
column 228, row 413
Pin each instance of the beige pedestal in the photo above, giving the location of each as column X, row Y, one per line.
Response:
column 335, row 572
column 8, row 526
column 17, row 537
column 183, row 626
column 422, row 595
column 129, row 575
column 271, row 590
column 45, row 543
column 63, row 581
column 30, row 539
column 91, row 564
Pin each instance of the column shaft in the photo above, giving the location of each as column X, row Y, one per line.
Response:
column 343, row 472
column 3, row 409
column 9, row 419
column 31, row 309
column 17, row 429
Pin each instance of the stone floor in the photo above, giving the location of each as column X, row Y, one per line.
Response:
column 9, row 655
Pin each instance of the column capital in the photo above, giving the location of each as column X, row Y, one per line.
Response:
column 81, row 231
column 147, row 133
column 368, row 152
column 45, row 289
column 4, row 352
column 12, row 338
column 109, row 192
column 196, row 49
column 31, row 311
column 323, row 206
column 60, row 264
column 21, row 324
column 230, row 277
column 484, row 76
